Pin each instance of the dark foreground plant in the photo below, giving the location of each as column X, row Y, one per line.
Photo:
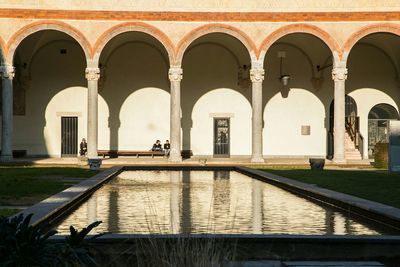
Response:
column 22, row 244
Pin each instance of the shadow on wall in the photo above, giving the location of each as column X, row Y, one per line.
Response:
column 210, row 82
column 137, row 96
column 53, row 71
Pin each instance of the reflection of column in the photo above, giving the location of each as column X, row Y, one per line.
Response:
column 113, row 216
column 7, row 74
column 92, row 76
column 329, row 222
column 175, row 76
column 257, row 77
column 339, row 224
column 339, row 75
column 174, row 201
column 257, row 196
column 186, row 222
column 92, row 209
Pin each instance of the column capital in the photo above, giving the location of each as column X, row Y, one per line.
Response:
column 175, row 74
column 339, row 74
column 7, row 71
column 257, row 75
column 92, row 74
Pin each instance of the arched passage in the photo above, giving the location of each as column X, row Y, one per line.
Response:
column 216, row 85
column 378, row 125
column 49, row 69
column 301, row 57
column 372, row 55
column 134, row 83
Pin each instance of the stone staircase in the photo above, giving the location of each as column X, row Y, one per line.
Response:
column 351, row 152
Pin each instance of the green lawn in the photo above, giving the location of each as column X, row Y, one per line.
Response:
column 377, row 186
column 28, row 185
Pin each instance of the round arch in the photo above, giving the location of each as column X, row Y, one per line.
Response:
column 27, row 30
column 116, row 30
column 3, row 50
column 195, row 34
column 383, row 111
column 325, row 37
column 367, row 30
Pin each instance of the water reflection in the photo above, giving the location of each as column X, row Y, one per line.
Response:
column 205, row 202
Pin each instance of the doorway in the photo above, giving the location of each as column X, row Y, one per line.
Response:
column 221, row 137
column 69, row 136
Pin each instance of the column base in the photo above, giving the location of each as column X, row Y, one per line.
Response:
column 175, row 156
column 257, row 159
column 339, row 160
column 6, row 158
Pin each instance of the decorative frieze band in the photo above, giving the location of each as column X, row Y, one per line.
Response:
column 339, row 74
column 7, row 72
column 257, row 75
column 92, row 74
column 175, row 74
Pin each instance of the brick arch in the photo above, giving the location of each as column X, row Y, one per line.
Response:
column 367, row 30
column 29, row 29
column 299, row 28
column 3, row 50
column 103, row 40
column 214, row 28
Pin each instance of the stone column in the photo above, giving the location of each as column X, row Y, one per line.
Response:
column 92, row 76
column 175, row 76
column 257, row 77
column 7, row 73
column 339, row 75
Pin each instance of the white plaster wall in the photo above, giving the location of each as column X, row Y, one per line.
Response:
column 221, row 103
column 283, row 120
column 60, row 105
column 144, row 117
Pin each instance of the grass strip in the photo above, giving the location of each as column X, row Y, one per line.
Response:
column 379, row 186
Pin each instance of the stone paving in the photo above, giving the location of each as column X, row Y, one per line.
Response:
column 107, row 162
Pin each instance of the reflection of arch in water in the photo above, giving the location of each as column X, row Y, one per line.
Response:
column 378, row 118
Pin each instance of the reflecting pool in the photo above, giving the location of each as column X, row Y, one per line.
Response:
column 220, row 202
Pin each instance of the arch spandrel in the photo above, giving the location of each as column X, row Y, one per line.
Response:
column 201, row 31
column 32, row 28
column 367, row 30
column 315, row 31
column 142, row 27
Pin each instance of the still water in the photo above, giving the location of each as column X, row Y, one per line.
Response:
column 220, row 202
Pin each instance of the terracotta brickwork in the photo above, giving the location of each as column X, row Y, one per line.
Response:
column 370, row 29
column 199, row 16
column 214, row 28
column 193, row 25
column 299, row 28
column 133, row 26
column 29, row 29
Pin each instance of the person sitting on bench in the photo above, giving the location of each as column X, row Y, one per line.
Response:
column 83, row 147
column 167, row 147
column 157, row 146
